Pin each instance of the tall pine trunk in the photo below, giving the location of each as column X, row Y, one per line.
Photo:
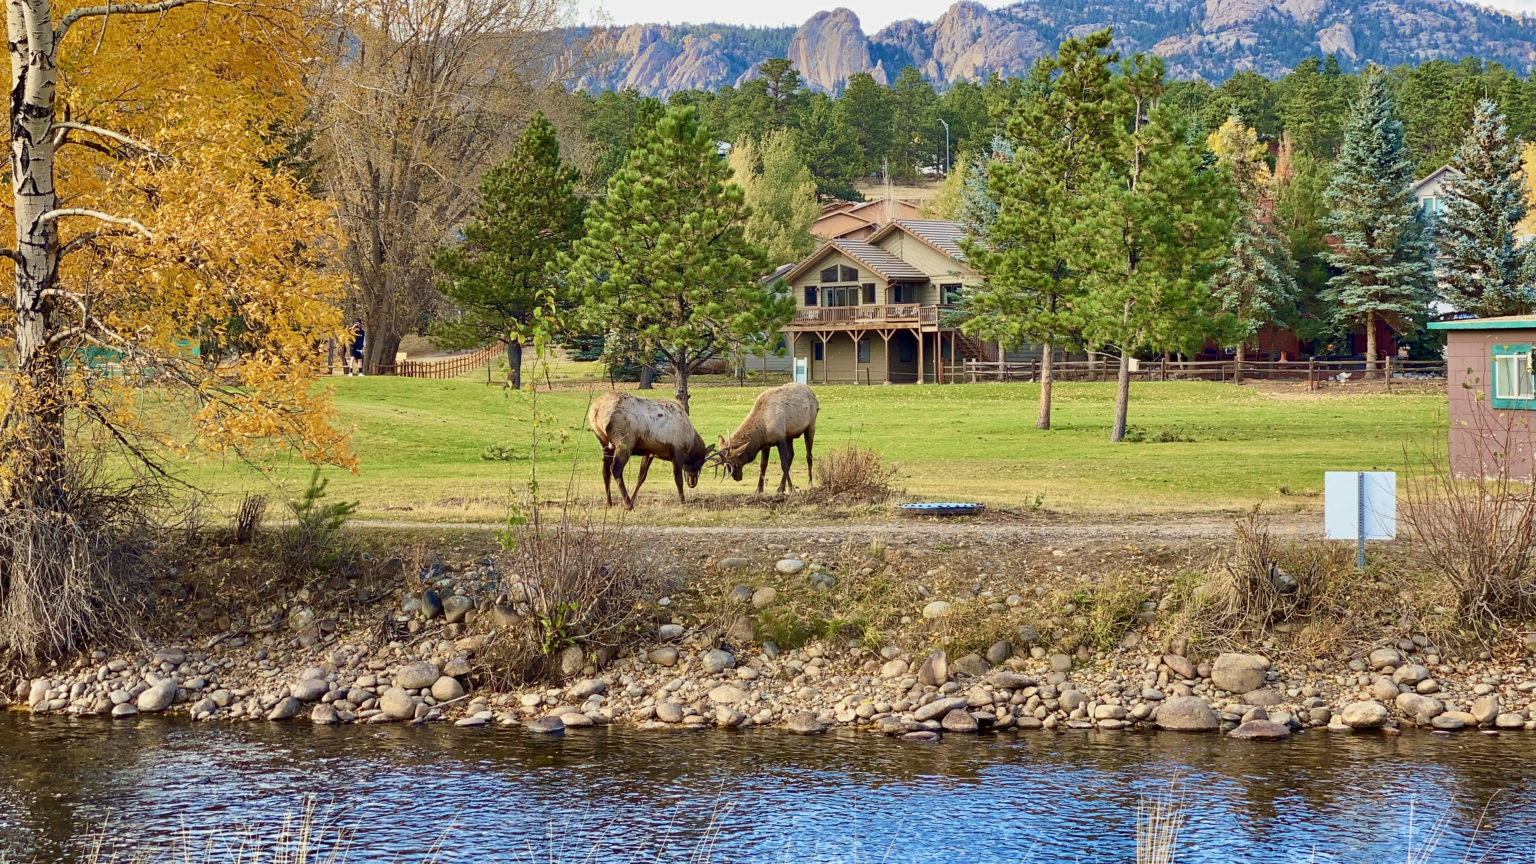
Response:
column 1043, row 420
column 1122, row 397
column 1370, row 344
column 681, row 384
column 515, row 363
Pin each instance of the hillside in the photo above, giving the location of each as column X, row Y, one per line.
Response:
column 1208, row 39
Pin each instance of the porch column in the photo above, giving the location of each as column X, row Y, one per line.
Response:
column 922, row 376
column 826, row 353
column 886, row 335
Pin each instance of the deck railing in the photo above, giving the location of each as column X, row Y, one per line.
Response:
column 891, row 313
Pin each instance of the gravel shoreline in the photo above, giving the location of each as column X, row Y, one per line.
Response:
column 418, row 656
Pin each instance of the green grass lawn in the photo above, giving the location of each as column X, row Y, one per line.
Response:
column 421, row 445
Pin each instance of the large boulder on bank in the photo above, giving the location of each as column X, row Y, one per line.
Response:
column 1239, row 673
column 1419, row 708
column 158, row 697
column 935, row 670
column 1187, row 714
column 1260, row 730
column 397, row 704
column 1364, row 715
column 417, row 676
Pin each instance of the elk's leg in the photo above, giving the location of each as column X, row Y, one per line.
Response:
column 608, row 474
column 620, row 460
column 645, row 468
column 810, row 462
column 786, row 459
column 677, row 477
column 762, row 473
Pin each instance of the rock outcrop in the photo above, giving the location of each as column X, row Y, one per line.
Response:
column 968, row 41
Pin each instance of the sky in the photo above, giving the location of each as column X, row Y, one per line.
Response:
column 873, row 14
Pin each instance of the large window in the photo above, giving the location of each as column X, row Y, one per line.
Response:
column 818, row 350
column 843, row 295
column 949, row 293
column 847, row 274
column 810, row 295
column 903, row 293
column 869, row 293
column 864, row 350
column 1514, row 385
column 829, row 274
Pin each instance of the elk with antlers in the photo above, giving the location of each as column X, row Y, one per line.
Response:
column 778, row 417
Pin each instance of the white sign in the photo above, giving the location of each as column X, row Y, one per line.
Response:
column 1360, row 505
column 802, row 370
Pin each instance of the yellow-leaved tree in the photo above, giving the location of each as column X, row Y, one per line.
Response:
column 169, row 294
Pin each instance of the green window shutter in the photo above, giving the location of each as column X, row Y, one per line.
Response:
column 1511, row 377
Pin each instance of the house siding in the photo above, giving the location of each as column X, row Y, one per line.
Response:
column 1480, row 434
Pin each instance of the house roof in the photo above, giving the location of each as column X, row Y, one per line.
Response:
column 941, row 235
column 1502, row 322
column 1435, row 175
column 883, row 263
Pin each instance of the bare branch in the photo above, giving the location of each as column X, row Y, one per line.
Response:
column 123, row 9
column 55, row 215
column 65, row 125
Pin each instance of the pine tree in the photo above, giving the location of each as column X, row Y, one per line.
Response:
column 781, row 193
column 527, row 216
column 1058, row 139
column 1381, row 252
column 830, row 149
column 1253, row 283
column 665, row 262
column 1482, row 269
column 1156, row 219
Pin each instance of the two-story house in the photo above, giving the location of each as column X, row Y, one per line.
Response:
column 870, row 311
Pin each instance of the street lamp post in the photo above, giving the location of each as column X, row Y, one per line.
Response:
column 946, row 145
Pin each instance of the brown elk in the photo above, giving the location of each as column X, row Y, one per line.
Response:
column 628, row 426
column 778, row 417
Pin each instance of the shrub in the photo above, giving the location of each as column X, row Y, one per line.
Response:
column 578, row 583
column 1475, row 534
column 852, row 475
column 313, row 540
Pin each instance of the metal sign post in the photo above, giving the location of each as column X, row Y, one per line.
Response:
column 1360, row 506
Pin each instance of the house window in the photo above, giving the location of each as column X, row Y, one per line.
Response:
column 949, row 293
column 829, row 274
column 1514, row 386
column 906, row 352
column 1432, row 206
column 864, row 350
column 843, row 295
column 847, row 274
column 869, row 293
column 903, row 294
column 818, row 350
column 810, row 295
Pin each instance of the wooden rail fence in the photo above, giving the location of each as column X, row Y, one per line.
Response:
column 446, row 367
column 1317, row 373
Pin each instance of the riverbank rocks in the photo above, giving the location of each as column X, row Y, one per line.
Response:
column 1186, row 714
column 397, row 704
column 158, row 697
column 938, row 708
column 1179, row 666
column 1364, row 715
column 1509, row 721
column 972, row 666
column 547, row 726
column 734, row 563
column 664, row 656
column 572, row 660
column 455, row 608
column 959, row 720
column 310, row 689
column 1420, row 709
column 669, row 632
column 1410, row 674
column 727, row 694
column 764, row 597
column 716, row 661
column 894, row 668
column 1381, row 658
column 285, row 709
column 1260, row 730
column 669, row 712
column 1061, row 663
column 1485, row 709
column 588, row 687
column 417, row 676
column 446, row 688
column 804, row 723
column 935, row 670
column 324, row 714
column 936, row 609
column 789, row 566
column 1239, row 673
column 1451, row 721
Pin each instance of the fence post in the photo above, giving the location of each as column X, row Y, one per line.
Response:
column 1389, row 373
column 1311, row 373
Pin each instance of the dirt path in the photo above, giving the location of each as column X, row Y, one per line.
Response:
column 989, row 531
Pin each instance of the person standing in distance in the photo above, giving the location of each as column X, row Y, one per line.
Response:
column 355, row 351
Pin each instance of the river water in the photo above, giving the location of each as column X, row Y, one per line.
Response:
column 407, row 794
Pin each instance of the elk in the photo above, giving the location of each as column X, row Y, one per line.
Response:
column 628, row 426
column 778, row 417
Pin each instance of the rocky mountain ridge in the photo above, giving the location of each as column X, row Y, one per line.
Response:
column 1208, row 39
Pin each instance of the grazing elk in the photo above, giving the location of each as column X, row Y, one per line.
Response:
column 778, row 417
column 628, row 426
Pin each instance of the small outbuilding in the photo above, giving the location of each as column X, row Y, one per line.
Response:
column 1492, row 384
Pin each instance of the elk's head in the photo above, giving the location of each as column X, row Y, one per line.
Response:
column 694, row 463
column 729, row 458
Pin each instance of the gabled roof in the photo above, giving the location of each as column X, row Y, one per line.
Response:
column 1502, row 322
column 882, row 263
column 1436, row 174
column 943, row 236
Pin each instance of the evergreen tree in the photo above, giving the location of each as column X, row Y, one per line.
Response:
column 828, row 146
column 865, row 108
column 527, row 216
column 917, row 136
column 1156, row 219
column 1058, row 136
column 1253, row 283
column 781, row 195
column 1381, row 252
column 665, row 263
column 1482, row 269
column 1301, row 207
